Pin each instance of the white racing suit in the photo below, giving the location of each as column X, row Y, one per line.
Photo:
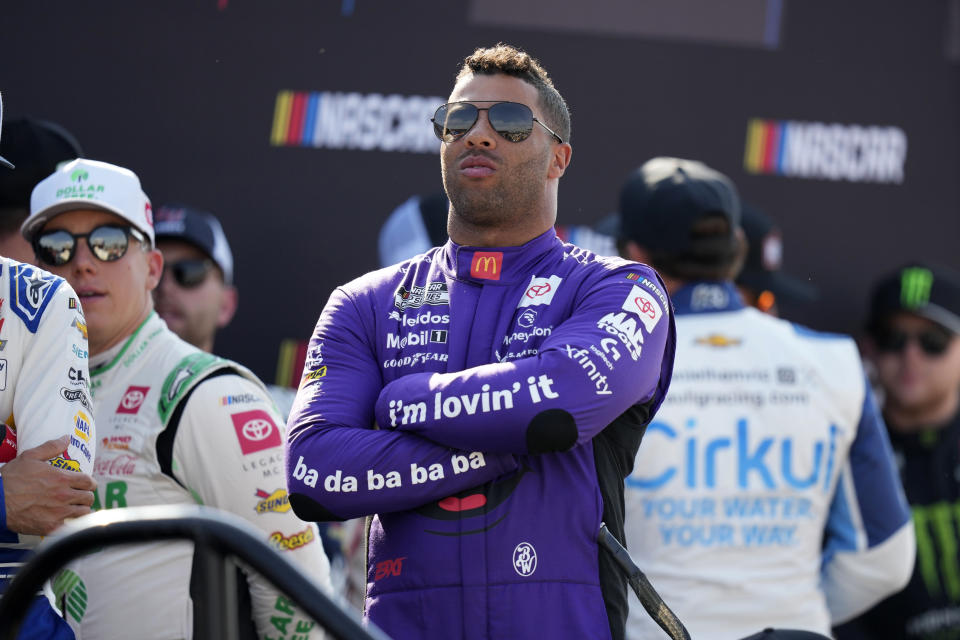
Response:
column 43, row 396
column 181, row 426
column 764, row 493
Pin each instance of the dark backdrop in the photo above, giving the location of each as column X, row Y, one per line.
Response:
column 185, row 93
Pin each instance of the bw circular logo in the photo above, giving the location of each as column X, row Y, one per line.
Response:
column 525, row 559
column 257, row 429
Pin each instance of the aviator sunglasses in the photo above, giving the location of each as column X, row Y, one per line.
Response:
column 932, row 342
column 188, row 273
column 512, row 120
column 107, row 243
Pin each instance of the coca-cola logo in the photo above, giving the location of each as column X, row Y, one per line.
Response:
column 122, row 465
column 132, row 399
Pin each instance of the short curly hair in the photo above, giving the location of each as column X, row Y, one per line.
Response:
column 506, row 59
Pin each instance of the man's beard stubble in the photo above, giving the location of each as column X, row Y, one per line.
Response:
column 510, row 200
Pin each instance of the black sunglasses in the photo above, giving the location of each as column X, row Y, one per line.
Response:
column 189, row 273
column 512, row 120
column 107, row 243
column 933, row 342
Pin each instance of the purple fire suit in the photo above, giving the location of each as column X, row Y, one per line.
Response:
column 485, row 406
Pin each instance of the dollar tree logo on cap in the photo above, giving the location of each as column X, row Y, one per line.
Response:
column 915, row 284
column 79, row 175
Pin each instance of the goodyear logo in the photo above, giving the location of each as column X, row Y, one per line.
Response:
column 276, row 502
column 63, row 463
column 295, row 541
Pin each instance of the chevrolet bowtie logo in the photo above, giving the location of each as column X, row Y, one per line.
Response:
column 718, row 340
column 487, row 265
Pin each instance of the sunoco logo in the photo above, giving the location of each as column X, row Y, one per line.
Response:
column 817, row 150
column 276, row 502
column 368, row 122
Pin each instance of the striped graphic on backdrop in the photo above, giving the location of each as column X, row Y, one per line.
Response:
column 366, row 122
column 290, row 361
column 817, row 150
column 764, row 152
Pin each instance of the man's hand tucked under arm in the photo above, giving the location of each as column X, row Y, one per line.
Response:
column 39, row 497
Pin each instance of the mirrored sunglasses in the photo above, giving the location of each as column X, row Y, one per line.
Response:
column 107, row 243
column 512, row 120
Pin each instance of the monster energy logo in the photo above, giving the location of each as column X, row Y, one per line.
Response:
column 936, row 526
column 915, row 283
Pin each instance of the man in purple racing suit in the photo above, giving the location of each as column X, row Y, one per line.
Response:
column 484, row 401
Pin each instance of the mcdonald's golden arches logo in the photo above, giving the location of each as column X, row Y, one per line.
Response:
column 487, row 265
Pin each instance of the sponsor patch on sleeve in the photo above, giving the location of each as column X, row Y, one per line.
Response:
column 645, row 305
column 31, row 291
column 256, row 431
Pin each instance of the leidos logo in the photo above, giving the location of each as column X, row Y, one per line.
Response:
column 486, row 265
column 817, row 150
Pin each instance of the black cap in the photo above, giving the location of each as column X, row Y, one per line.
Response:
column 660, row 202
column 199, row 228
column 786, row 634
column 761, row 270
column 36, row 147
column 932, row 292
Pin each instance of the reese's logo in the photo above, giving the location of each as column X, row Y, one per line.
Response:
column 295, row 541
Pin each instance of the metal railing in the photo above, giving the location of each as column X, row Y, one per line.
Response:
column 220, row 539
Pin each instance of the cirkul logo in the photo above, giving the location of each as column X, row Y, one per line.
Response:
column 257, row 429
column 524, row 559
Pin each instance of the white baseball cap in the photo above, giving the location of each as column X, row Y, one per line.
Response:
column 3, row 160
column 88, row 184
